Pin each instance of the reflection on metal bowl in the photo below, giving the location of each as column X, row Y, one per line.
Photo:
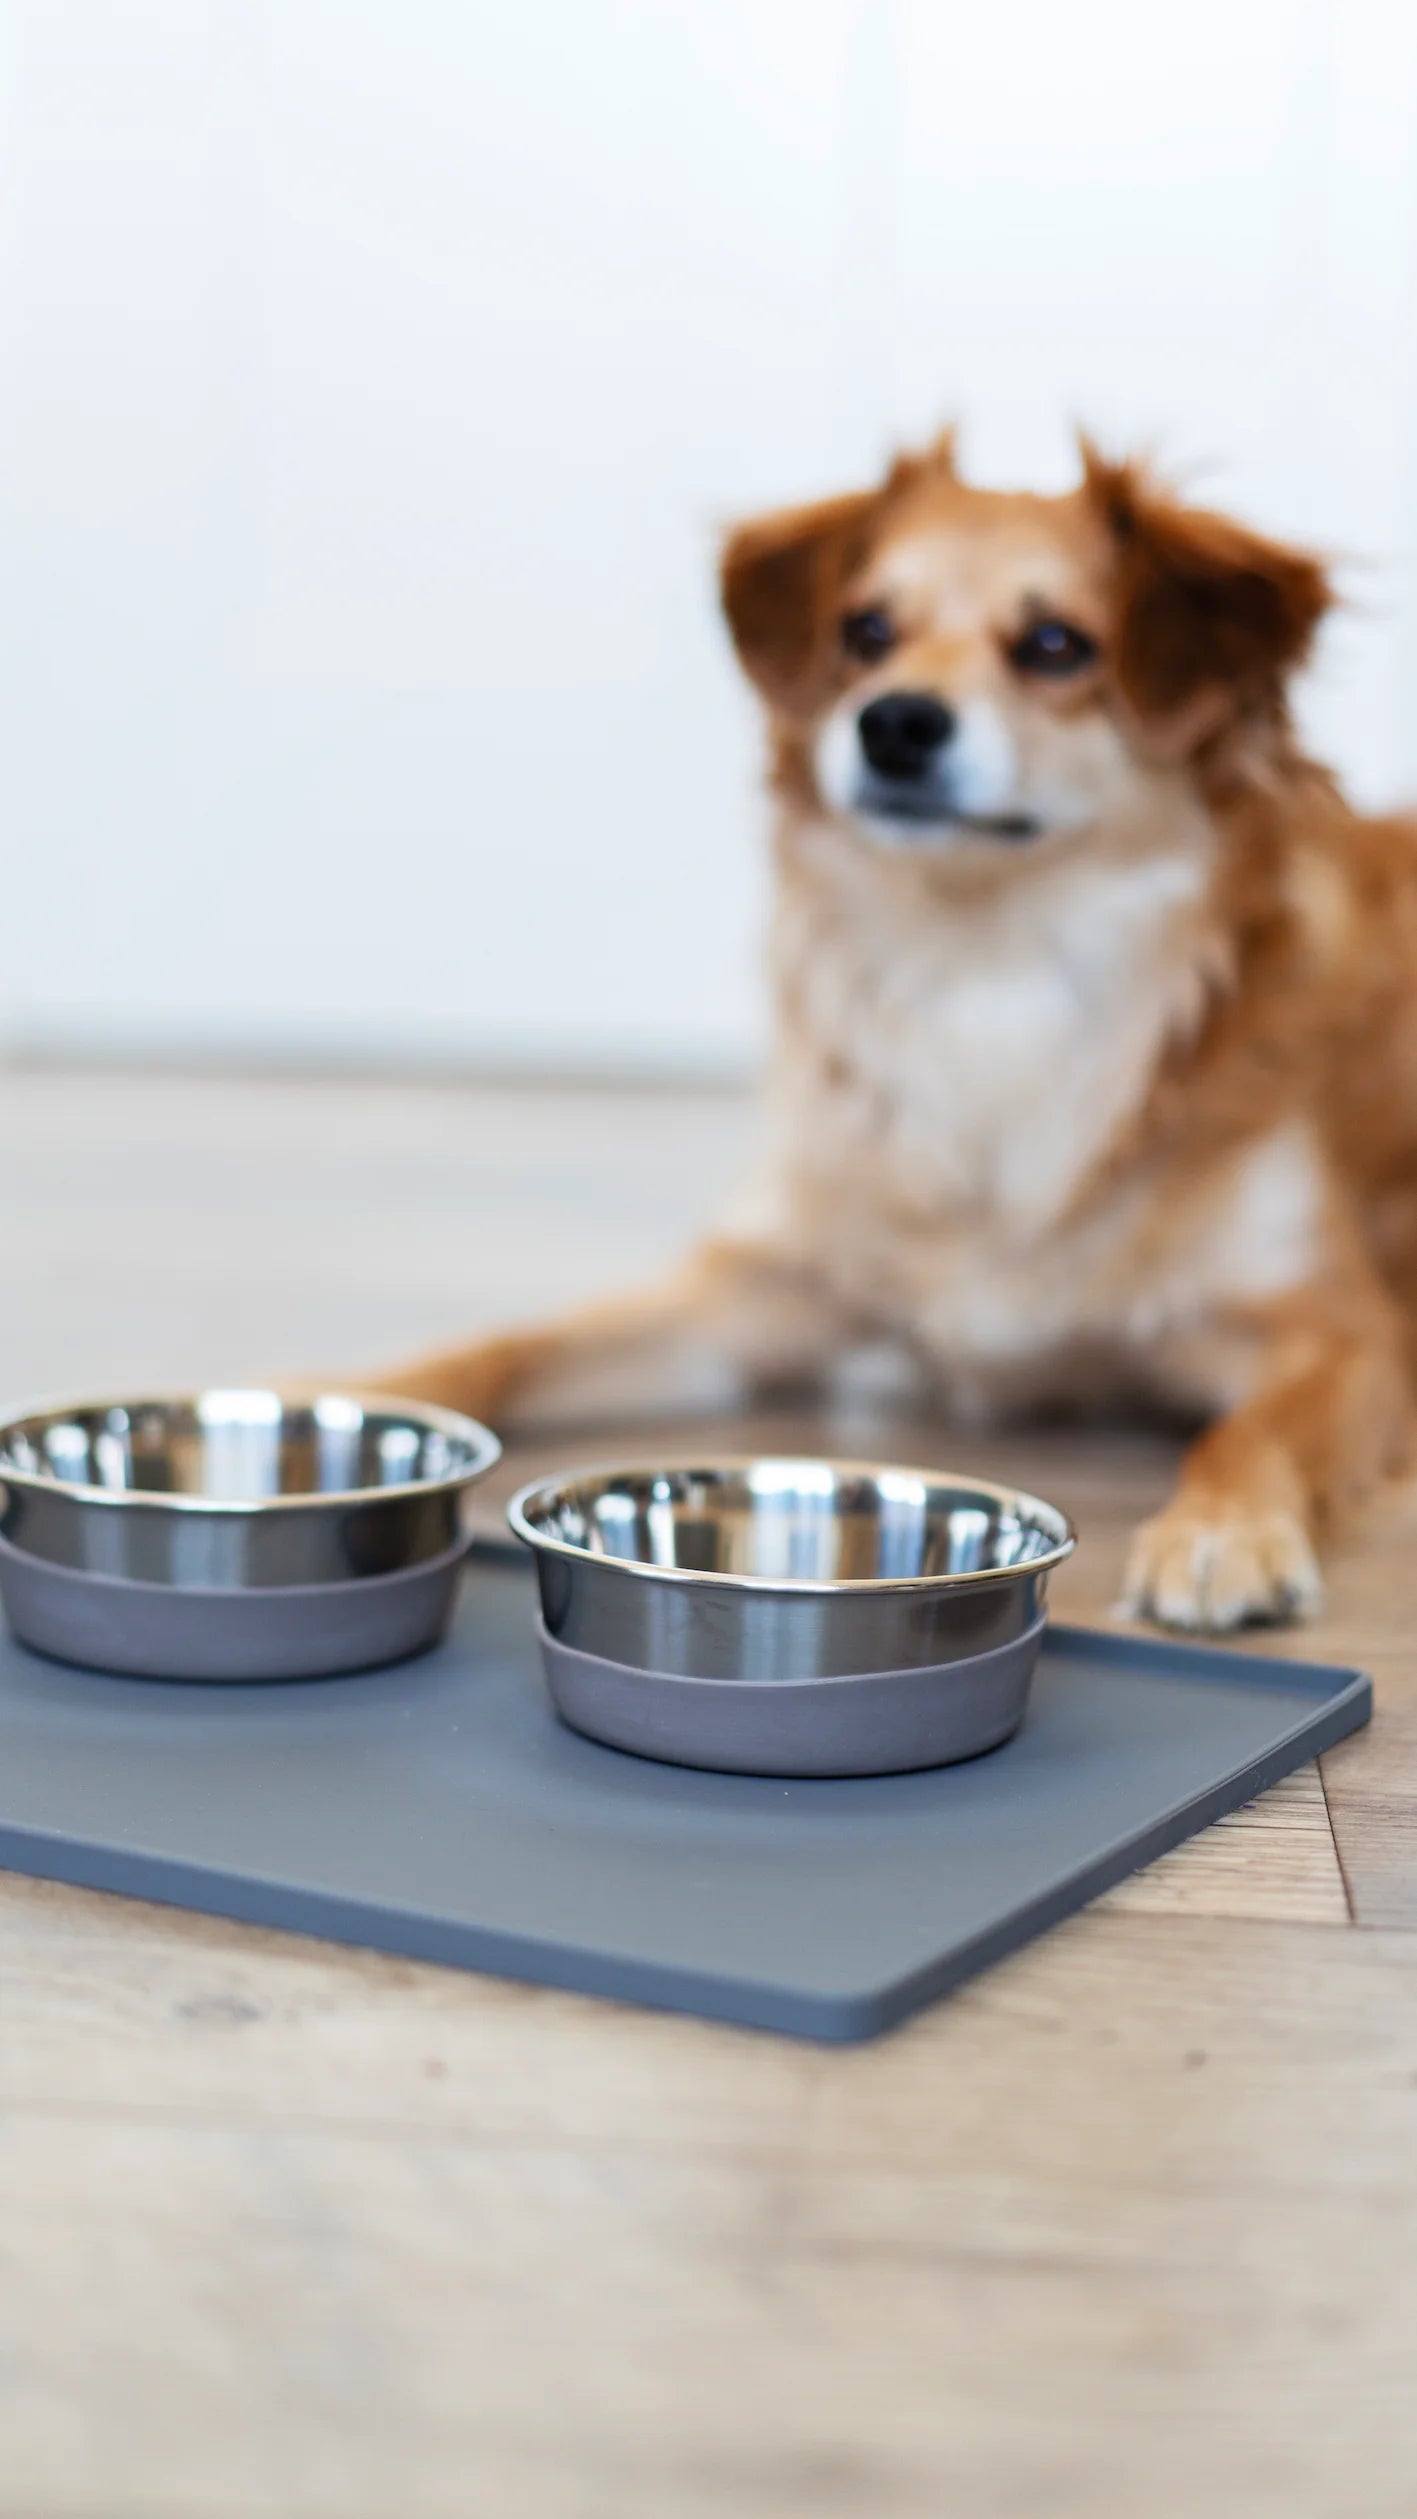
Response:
column 239, row 1488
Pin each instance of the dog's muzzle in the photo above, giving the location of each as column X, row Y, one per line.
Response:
column 912, row 771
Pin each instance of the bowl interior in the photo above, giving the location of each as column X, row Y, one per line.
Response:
column 797, row 1521
column 243, row 1447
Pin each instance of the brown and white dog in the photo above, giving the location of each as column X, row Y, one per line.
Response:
column 1096, row 1011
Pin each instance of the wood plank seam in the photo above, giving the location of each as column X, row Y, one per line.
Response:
column 1349, row 1901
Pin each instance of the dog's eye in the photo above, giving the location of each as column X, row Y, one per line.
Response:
column 1052, row 647
column 869, row 634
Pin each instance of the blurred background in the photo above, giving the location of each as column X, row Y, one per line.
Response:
column 377, row 376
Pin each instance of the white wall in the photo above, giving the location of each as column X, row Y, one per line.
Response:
column 376, row 372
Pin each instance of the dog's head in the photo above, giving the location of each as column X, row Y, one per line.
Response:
column 948, row 667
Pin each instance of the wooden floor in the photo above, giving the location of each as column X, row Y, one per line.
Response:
column 1127, row 2227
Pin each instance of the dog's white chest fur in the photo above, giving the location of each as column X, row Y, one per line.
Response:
column 952, row 1073
column 974, row 1059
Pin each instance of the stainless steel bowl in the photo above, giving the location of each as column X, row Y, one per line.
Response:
column 790, row 1617
column 239, row 1490
column 787, row 1569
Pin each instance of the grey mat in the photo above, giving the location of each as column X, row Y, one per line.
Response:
column 440, row 1810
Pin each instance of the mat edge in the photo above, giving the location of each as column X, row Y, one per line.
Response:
column 429, row 1940
column 1344, row 1713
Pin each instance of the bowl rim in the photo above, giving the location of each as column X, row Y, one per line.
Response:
column 639, row 1566
column 486, row 1448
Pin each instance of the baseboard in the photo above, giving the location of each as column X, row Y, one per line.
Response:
column 31, row 1045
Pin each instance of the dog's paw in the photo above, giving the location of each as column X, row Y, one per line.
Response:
column 1211, row 1572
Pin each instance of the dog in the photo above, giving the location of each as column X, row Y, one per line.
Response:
column 1095, row 1065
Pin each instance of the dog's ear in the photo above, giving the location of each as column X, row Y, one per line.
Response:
column 782, row 578
column 939, row 461
column 1211, row 619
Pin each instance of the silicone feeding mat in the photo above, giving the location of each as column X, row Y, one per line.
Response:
column 438, row 1809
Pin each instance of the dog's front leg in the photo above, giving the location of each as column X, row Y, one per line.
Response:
column 1329, row 1415
column 735, row 1315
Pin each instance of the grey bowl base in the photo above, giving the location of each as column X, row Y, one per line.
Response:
column 109, row 1623
column 871, row 1723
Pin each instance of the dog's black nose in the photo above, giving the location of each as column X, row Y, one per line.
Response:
column 902, row 732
